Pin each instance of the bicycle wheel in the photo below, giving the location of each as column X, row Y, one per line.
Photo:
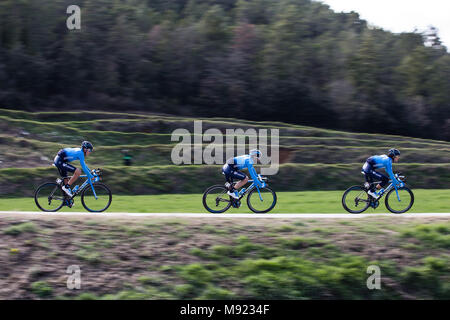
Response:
column 216, row 200
column 49, row 197
column 405, row 203
column 263, row 203
column 355, row 199
column 99, row 204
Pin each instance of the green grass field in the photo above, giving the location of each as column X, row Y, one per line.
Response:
column 426, row 200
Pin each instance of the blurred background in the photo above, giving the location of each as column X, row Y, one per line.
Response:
column 294, row 61
column 336, row 86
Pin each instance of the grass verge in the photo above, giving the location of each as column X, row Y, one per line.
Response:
column 426, row 200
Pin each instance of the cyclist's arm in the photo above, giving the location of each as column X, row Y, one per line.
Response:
column 390, row 173
column 254, row 175
column 86, row 170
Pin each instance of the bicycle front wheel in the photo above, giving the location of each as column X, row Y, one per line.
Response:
column 262, row 201
column 98, row 202
column 216, row 199
column 49, row 197
column 406, row 200
column 355, row 199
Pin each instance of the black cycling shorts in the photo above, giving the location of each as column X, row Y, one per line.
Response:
column 63, row 167
column 231, row 173
column 372, row 175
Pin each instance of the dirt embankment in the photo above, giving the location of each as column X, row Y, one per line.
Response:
column 164, row 258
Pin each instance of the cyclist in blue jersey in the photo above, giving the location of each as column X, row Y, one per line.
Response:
column 67, row 155
column 378, row 162
column 232, row 167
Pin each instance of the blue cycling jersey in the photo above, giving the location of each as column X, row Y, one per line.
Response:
column 72, row 154
column 382, row 161
column 245, row 162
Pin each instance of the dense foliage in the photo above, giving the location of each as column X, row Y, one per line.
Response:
column 289, row 60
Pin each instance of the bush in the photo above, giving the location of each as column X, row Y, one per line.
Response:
column 299, row 243
column 436, row 235
column 216, row 293
column 427, row 280
column 295, row 278
column 21, row 228
column 89, row 256
column 185, row 291
column 41, row 288
column 196, row 274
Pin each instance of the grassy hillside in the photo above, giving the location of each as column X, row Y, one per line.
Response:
column 312, row 158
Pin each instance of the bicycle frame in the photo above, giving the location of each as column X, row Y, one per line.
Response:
column 389, row 187
column 247, row 190
column 250, row 188
column 84, row 184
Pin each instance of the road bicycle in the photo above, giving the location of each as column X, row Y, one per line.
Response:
column 259, row 200
column 95, row 196
column 398, row 199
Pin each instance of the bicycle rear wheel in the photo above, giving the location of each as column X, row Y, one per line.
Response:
column 405, row 203
column 263, row 203
column 216, row 199
column 93, row 204
column 49, row 197
column 355, row 199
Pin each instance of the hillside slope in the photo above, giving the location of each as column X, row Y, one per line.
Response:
column 311, row 158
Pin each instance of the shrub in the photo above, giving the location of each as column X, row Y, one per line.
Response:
column 216, row 293
column 41, row 288
column 436, row 235
column 185, row 291
column 89, row 256
column 21, row 228
column 427, row 280
column 196, row 274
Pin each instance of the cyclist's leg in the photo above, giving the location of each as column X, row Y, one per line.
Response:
column 76, row 173
column 375, row 175
column 368, row 174
column 384, row 180
column 231, row 174
column 226, row 171
column 369, row 180
column 61, row 169
column 240, row 176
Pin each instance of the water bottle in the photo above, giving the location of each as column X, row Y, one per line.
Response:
column 75, row 189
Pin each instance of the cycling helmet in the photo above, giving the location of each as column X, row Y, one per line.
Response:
column 87, row 145
column 393, row 153
column 255, row 152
